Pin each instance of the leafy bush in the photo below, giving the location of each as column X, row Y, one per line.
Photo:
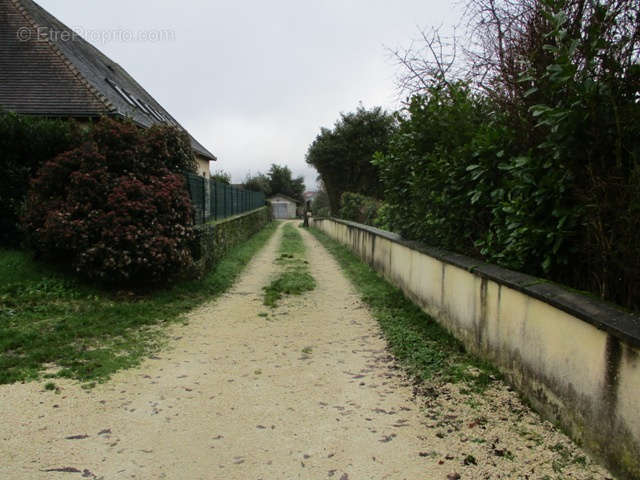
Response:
column 321, row 212
column 455, row 180
column 427, row 184
column 342, row 155
column 25, row 144
column 171, row 145
column 112, row 207
column 534, row 162
column 278, row 179
column 258, row 183
column 320, row 204
column 221, row 176
column 362, row 209
column 282, row 181
column 586, row 105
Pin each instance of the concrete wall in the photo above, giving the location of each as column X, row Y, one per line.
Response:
column 577, row 360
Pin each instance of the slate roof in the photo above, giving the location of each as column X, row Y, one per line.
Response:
column 46, row 69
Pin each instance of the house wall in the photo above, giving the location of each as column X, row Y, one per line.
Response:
column 577, row 360
column 203, row 166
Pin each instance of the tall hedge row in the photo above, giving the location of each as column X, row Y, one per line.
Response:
column 25, row 144
column 538, row 171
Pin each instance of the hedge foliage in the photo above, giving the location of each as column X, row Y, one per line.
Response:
column 25, row 144
column 362, row 209
column 320, row 204
column 540, row 174
column 113, row 208
column 342, row 155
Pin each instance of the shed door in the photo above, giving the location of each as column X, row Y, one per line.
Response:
column 280, row 210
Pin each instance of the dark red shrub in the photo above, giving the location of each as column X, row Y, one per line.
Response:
column 173, row 146
column 115, row 211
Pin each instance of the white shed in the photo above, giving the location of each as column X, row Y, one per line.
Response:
column 283, row 206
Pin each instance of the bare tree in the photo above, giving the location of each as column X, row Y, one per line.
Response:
column 503, row 39
column 430, row 60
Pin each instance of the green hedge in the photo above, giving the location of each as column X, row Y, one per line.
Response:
column 362, row 209
column 213, row 240
column 25, row 144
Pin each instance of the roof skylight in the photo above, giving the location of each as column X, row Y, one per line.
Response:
column 137, row 103
column 140, row 105
column 122, row 93
column 153, row 112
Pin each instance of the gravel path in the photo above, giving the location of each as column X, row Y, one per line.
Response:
column 307, row 392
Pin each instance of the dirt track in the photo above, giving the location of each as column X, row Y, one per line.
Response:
column 308, row 392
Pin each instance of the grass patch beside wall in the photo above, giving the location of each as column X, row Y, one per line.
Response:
column 425, row 348
column 51, row 320
column 295, row 278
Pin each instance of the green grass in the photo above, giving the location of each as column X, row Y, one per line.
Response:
column 48, row 319
column 295, row 278
column 425, row 349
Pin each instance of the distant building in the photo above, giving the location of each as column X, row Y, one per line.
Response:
column 283, row 207
column 47, row 69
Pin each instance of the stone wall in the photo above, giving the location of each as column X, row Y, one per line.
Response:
column 214, row 239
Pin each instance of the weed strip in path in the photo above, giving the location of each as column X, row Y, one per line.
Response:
column 295, row 278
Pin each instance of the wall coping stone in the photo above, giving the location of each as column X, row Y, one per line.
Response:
column 619, row 323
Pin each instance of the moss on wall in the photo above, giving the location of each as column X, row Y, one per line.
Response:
column 214, row 239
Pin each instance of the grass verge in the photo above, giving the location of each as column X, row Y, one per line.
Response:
column 52, row 321
column 295, row 277
column 425, row 349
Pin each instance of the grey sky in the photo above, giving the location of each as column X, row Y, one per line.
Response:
column 254, row 81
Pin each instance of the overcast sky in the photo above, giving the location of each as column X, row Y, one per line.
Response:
column 254, row 81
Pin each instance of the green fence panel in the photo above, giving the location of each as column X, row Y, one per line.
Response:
column 219, row 200
column 212, row 199
column 196, row 188
column 228, row 211
column 222, row 199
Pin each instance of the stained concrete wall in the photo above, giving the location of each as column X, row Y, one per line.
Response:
column 577, row 360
